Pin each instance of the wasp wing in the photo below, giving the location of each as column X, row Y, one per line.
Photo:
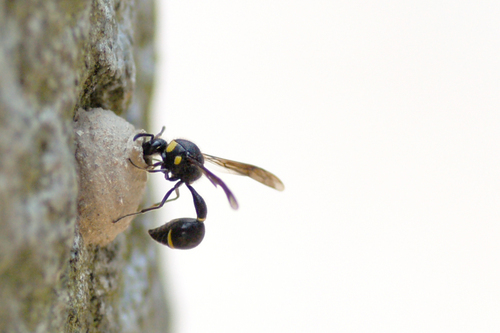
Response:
column 252, row 171
column 217, row 182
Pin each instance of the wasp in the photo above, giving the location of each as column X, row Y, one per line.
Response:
column 183, row 162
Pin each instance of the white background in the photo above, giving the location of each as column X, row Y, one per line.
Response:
column 382, row 118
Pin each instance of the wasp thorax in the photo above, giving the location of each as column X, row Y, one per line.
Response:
column 180, row 157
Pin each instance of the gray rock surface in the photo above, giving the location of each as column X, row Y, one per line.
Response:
column 57, row 56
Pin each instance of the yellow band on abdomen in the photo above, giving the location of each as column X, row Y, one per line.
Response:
column 169, row 240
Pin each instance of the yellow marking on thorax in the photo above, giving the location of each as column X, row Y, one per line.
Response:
column 177, row 160
column 171, row 146
column 169, row 240
column 200, row 220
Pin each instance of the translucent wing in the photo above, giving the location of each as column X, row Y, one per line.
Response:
column 217, row 182
column 252, row 171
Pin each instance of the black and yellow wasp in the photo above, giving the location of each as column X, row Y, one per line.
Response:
column 183, row 162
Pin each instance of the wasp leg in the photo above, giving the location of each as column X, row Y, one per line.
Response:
column 199, row 205
column 177, row 195
column 155, row 206
column 150, row 166
column 157, row 170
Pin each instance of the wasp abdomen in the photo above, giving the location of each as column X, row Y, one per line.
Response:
column 184, row 233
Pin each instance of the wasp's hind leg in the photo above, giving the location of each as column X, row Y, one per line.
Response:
column 158, row 205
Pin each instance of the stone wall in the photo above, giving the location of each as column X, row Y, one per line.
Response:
column 58, row 56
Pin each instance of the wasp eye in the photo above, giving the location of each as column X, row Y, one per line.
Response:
column 184, row 233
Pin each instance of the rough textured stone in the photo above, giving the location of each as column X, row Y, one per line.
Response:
column 57, row 56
